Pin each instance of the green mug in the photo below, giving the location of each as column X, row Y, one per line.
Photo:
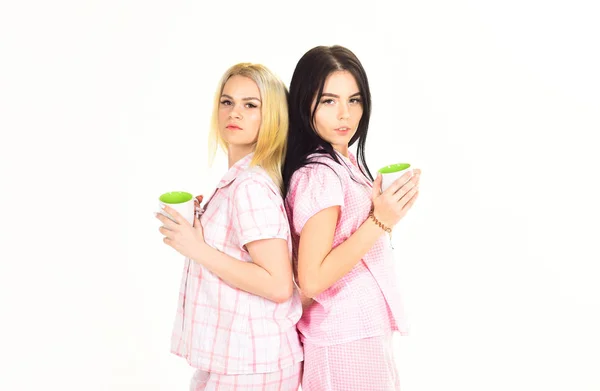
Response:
column 181, row 201
column 392, row 172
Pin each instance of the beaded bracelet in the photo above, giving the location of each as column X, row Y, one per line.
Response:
column 379, row 223
column 383, row 227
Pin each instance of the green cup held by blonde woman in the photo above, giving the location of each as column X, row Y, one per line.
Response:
column 392, row 172
column 181, row 201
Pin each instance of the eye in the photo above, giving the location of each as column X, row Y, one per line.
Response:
column 355, row 101
column 327, row 101
column 251, row 105
column 226, row 102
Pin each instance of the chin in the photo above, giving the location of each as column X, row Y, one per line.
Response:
column 242, row 144
column 342, row 140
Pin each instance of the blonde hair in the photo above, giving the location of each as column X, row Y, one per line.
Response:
column 272, row 134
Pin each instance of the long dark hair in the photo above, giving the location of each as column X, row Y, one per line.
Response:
column 307, row 83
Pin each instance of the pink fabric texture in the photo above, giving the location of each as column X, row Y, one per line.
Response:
column 364, row 364
column 347, row 329
column 224, row 330
column 288, row 379
column 366, row 301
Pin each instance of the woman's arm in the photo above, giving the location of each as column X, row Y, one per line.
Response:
column 320, row 266
column 269, row 275
column 261, row 227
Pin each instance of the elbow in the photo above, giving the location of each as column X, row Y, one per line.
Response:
column 282, row 293
column 308, row 288
column 310, row 293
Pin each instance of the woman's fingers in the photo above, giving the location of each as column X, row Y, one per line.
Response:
column 393, row 204
column 166, row 221
column 165, row 231
column 408, row 196
column 398, row 183
column 408, row 186
column 177, row 217
column 411, row 201
column 197, row 205
column 376, row 191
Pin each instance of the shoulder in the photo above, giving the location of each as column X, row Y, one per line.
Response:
column 319, row 163
column 321, row 167
column 255, row 179
column 322, row 177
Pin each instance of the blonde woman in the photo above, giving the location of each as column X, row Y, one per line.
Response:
column 238, row 309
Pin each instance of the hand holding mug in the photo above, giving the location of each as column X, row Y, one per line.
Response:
column 178, row 233
column 198, row 210
column 180, row 201
column 391, row 205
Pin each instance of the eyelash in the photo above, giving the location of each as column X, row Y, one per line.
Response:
column 330, row 101
column 229, row 103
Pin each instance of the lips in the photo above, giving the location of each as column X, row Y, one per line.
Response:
column 233, row 127
column 342, row 129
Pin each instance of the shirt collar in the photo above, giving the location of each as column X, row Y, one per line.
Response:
column 352, row 163
column 233, row 172
column 350, row 159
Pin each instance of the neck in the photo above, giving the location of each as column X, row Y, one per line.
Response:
column 236, row 152
column 342, row 149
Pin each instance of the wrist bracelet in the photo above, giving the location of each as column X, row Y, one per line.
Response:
column 379, row 223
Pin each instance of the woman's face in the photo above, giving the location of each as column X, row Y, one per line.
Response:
column 240, row 112
column 339, row 110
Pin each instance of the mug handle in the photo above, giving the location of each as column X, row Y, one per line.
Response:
column 198, row 209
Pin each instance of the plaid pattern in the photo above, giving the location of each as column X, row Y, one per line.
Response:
column 225, row 330
column 365, row 302
column 364, row 364
column 287, row 379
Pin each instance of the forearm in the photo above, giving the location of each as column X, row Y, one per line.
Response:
column 247, row 276
column 342, row 259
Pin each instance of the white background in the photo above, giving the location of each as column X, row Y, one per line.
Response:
column 105, row 104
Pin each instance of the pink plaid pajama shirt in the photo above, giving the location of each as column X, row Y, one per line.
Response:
column 237, row 340
column 347, row 330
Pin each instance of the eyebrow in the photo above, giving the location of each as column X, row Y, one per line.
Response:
column 247, row 98
column 337, row 96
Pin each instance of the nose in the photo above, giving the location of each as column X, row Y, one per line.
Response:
column 235, row 113
column 344, row 112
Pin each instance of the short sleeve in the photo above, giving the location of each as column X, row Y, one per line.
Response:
column 258, row 213
column 317, row 187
